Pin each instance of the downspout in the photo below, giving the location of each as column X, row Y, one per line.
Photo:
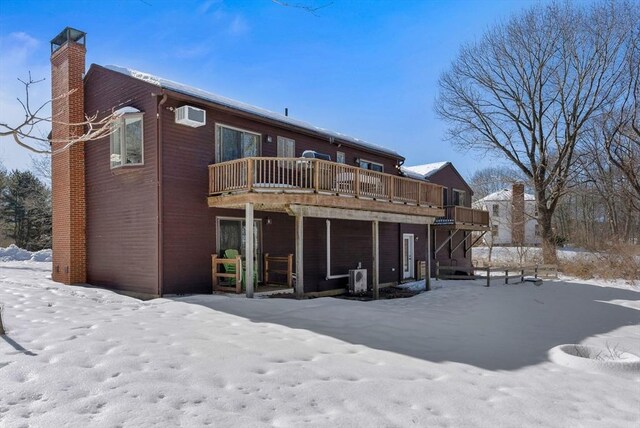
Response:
column 159, row 190
column 328, row 275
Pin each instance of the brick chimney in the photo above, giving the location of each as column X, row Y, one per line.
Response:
column 67, row 162
column 517, row 214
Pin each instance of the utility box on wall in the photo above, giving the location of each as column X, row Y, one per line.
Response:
column 421, row 269
column 357, row 281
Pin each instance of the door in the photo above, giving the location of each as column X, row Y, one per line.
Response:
column 231, row 235
column 407, row 256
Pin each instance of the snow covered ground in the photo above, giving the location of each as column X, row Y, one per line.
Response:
column 461, row 355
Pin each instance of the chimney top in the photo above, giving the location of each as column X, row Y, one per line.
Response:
column 68, row 35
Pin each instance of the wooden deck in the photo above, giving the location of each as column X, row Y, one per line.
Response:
column 463, row 218
column 273, row 184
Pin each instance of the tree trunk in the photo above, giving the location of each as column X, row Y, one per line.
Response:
column 1, row 325
column 549, row 253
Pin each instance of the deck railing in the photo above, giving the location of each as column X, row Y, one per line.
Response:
column 466, row 215
column 319, row 176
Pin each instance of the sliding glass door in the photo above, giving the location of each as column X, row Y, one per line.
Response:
column 233, row 143
column 231, row 234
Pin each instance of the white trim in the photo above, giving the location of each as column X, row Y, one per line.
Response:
column 285, row 141
column 258, row 250
column 410, row 260
column 120, row 123
column 217, row 139
column 329, row 276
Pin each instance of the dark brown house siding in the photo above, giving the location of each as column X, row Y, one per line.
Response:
column 189, row 226
column 450, row 178
column 121, row 203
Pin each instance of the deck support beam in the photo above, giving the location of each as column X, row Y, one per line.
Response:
column 464, row 239
column 451, row 235
column 299, row 256
column 249, row 248
column 476, row 241
column 376, row 258
column 427, row 279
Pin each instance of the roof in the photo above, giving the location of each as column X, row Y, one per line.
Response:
column 247, row 108
column 505, row 195
column 426, row 170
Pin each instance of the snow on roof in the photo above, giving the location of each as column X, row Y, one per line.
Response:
column 505, row 195
column 408, row 173
column 426, row 170
column 247, row 108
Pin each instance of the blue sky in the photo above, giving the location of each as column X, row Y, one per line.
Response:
column 364, row 68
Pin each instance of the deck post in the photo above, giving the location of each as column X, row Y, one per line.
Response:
column 248, row 245
column 299, row 256
column 488, row 276
column 376, row 260
column 427, row 278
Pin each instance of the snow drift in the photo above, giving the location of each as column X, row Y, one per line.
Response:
column 13, row 253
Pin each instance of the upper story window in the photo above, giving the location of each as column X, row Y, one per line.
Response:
column 373, row 166
column 286, row 147
column 459, row 197
column 234, row 143
column 340, row 157
column 127, row 139
column 445, row 196
column 496, row 210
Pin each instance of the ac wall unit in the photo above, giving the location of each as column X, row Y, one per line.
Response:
column 357, row 281
column 191, row 116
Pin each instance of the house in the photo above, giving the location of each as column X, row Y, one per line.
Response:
column 188, row 177
column 453, row 233
column 513, row 217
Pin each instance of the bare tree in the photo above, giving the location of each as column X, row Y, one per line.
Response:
column 492, row 179
column 29, row 134
column 620, row 126
column 528, row 89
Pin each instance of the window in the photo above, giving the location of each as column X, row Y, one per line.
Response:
column 496, row 210
column 373, row 166
column 445, row 196
column 537, row 229
column 340, row 157
column 458, row 197
column 286, row 147
column 126, row 140
column 233, row 143
column 494, row 230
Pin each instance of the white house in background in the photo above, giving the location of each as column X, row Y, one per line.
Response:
column 513, row 219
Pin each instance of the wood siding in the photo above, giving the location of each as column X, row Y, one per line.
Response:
column 450, row 178
column 121, row 203
column 189, row 226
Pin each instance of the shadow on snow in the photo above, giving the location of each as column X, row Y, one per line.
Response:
column 496, row 328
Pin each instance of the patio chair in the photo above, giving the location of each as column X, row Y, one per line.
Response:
column 231, row 267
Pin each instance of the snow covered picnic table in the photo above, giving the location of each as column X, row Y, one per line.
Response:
column 461, row 355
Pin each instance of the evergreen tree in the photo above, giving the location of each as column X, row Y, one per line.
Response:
column 25, row 210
